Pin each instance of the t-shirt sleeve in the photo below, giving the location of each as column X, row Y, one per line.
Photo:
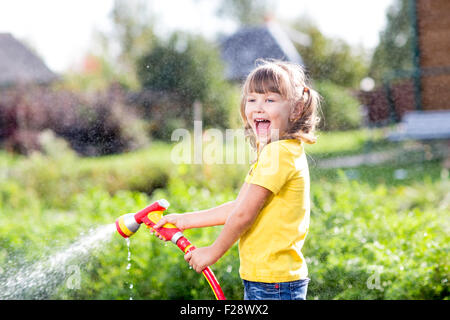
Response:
column 273, row 169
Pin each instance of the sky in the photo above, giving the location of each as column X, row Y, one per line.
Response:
column 61, row 31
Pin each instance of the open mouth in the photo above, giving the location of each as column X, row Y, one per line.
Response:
column 262, row 126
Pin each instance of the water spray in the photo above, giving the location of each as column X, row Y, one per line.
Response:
column 128, row 224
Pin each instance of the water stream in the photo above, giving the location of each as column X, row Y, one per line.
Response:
column 41, row 279
column 128, row 268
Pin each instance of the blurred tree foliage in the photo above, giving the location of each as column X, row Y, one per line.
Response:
column 336, row 69
column 331, row 59
column 93, row 124
column 131, row 36
column 395, row 49
column 245, row 12
column 340, row 110
column 168, row 75
column 189, row 67
column 97, row 78
column 113, row 56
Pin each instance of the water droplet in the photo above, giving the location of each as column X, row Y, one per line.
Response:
column 129, row 266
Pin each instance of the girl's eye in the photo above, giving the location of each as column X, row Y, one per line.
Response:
column 270, row 100
column 250, row 100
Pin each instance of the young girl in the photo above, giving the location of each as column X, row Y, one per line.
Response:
column 270, row 216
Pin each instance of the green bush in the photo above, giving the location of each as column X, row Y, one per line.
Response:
column 93, row 124
column 340, row 110
column 377, row 242
column 57, row 173
column 185, row 69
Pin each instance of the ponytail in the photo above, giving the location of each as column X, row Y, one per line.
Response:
column 304, row 125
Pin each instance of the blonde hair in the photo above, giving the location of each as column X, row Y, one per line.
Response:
column 290, row 81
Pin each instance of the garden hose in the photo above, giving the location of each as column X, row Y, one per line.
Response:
column 128, row 224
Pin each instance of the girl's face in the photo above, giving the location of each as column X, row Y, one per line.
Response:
column 268, row 115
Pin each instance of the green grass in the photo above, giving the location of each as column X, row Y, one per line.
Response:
column 333, row 144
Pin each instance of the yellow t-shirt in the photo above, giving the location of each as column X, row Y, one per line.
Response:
column 270, row 251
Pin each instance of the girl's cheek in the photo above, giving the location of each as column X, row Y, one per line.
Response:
column 246, row 110
column 248, row 114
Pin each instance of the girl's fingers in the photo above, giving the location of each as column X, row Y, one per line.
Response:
column 199, row 269
column 153, row 232
column 188, row 258
column 160, row 223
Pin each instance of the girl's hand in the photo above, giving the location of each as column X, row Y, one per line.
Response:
column 174, row 218
column 201, row 258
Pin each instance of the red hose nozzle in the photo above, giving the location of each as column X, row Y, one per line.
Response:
column 128, row 224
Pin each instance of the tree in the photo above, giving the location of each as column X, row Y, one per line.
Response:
column 395, row 49
column 339, row 109
column 131, row 36
column 245, row 12
column 329, row 59
column 189, row 68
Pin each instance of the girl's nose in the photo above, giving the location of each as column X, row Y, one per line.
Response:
column 258, row 111
column 259, row 107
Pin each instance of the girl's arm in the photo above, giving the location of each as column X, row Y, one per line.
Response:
column 207, row 218
column 244, row 213
column 204, row 218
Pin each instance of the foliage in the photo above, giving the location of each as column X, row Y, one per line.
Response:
column 245, row 12
column 93, row 124
column 96, row 75
column 370, row 238
column 57, row 173
column 379, row 242
column 329, row 59
column 395, row 49
column 190, row 69
column 340, row 110
column 132, row 34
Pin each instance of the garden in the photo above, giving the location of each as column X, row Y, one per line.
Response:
column 374, row 234
column 99, row 143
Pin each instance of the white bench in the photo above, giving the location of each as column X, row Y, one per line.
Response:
column 423, row 125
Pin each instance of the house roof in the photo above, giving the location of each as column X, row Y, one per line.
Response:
column 240, row 50
column 19, row 65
